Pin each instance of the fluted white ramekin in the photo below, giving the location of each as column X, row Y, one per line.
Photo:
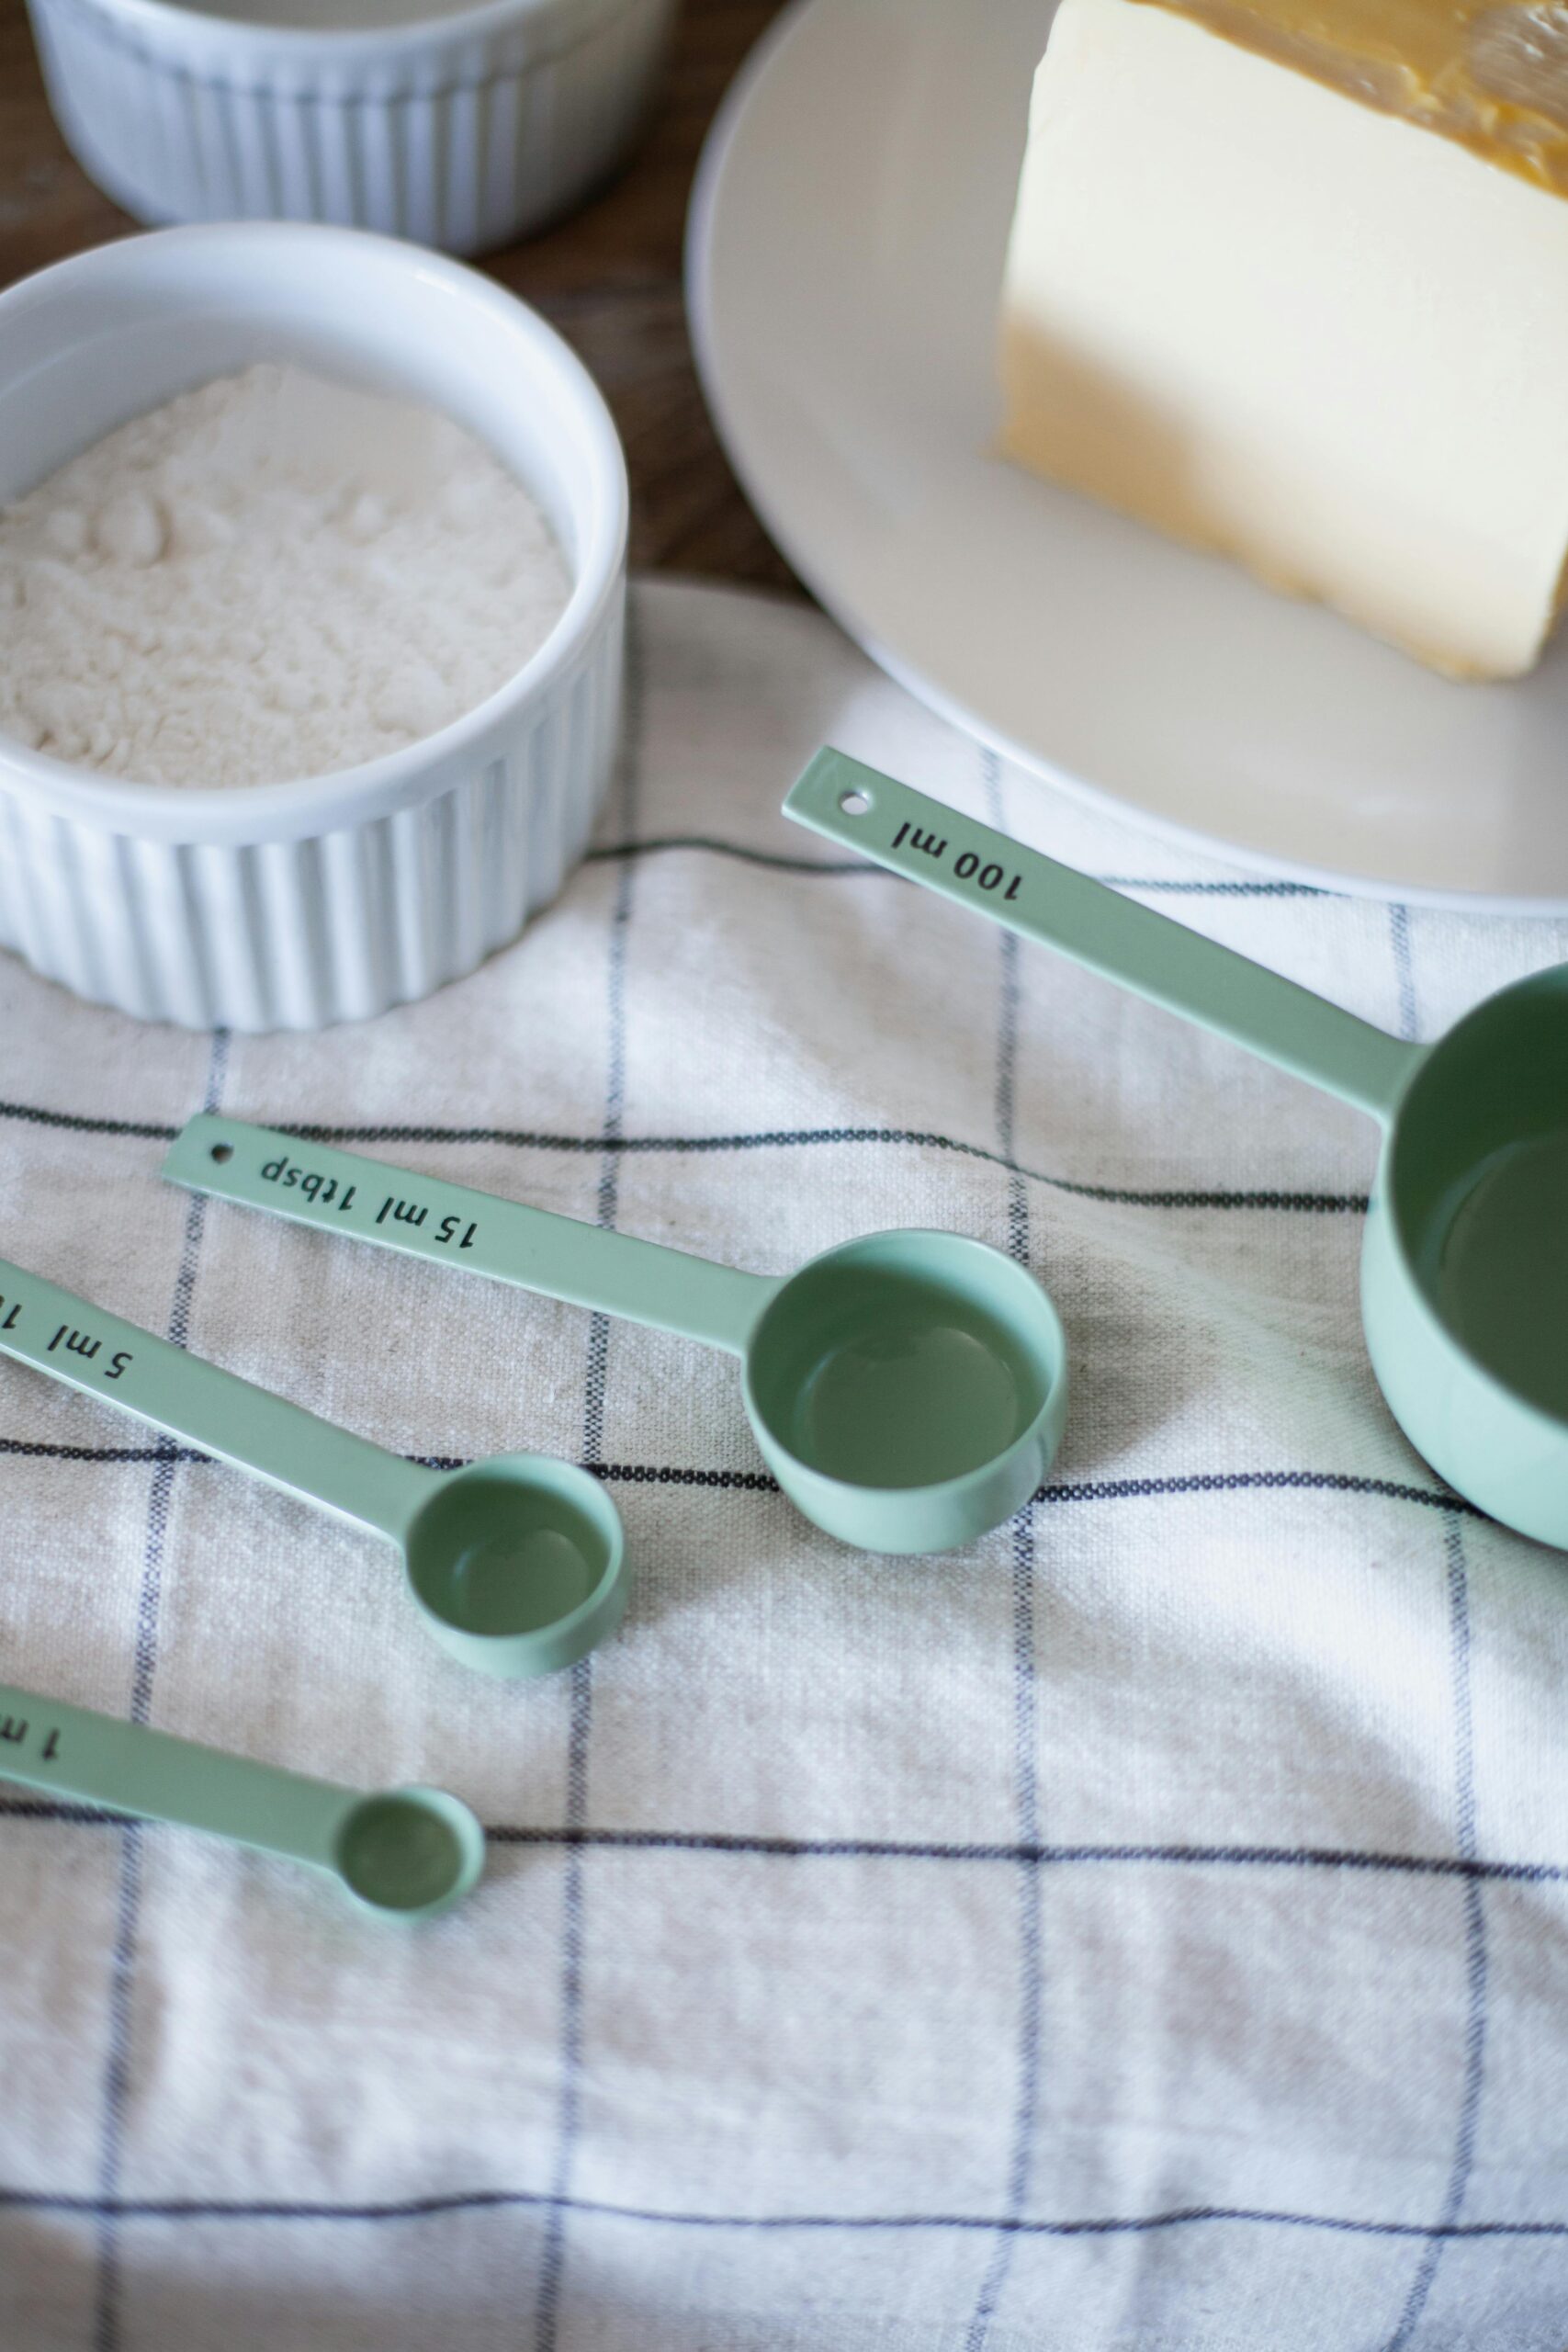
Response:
column 287, row 906
column 463, row 130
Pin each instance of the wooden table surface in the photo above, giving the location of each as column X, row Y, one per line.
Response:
column 609, row 278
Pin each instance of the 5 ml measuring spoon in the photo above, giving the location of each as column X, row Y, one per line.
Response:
column 908, row 1390
column 411, row 1852
column 517, row 1562
column 1464, row 1267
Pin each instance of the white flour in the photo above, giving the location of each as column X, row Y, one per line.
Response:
column 268, row 578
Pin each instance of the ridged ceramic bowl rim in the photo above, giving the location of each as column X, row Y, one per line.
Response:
column 223, row 41
column 340, row 796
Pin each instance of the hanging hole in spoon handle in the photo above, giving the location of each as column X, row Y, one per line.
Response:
column 473, row 1232
column 962, row 859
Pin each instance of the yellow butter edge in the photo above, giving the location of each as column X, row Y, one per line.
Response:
column 1490, row 75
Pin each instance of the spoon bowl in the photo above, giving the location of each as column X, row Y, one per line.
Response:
column 1476, row 1186
column 413, row 1852
column 517, row 1564
column 1464, row 1270
column 907, row 1390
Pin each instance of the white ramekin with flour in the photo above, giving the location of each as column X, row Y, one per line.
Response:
column 293, row 905
column 459, row 126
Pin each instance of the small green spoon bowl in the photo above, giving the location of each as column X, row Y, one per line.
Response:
column 517, row 1562
column 908, row 1390
column 410, row 1851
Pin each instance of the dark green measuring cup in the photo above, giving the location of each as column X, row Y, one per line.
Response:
column 908, row 1390
column 1464, row 1269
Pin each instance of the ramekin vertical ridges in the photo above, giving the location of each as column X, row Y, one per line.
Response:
column 463, row 133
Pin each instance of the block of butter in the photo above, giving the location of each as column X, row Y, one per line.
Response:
column 1289, row 279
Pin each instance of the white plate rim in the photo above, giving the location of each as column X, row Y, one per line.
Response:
column 725, row 138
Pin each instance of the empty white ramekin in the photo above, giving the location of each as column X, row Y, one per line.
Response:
column 462, row 130
column 287, row 906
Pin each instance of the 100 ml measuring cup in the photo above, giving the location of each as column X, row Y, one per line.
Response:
column 1464, row 1269
column 516, row 1564
column 408, row 1851
column 908, row 1390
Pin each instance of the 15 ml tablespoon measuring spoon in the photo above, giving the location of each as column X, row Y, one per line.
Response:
column 908, row 1390
column 1464, row 1268
column 517, row 1563
column 408, row 1851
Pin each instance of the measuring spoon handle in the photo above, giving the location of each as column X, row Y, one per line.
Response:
column 75, row 1752
column 1052, row 904
column 425, row 1218
column 61, row 1335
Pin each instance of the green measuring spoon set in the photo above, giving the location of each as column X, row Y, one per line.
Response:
column 516, row 1564
column 907, row 1390
column 1464, row 1268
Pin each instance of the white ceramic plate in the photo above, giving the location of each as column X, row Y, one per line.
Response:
column 844, row 265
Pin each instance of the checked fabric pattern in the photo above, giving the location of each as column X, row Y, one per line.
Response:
column 1148, row 1929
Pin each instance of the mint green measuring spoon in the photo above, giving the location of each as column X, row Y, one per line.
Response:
column 908, row 1390
column 411, row 1851
column 1464, row 1268
column 517, row 1562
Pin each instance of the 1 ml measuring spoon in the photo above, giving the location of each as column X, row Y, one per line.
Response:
column 1464, row 1268
column 407, row 1851
column 517, row 1563
column 908, row 1390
